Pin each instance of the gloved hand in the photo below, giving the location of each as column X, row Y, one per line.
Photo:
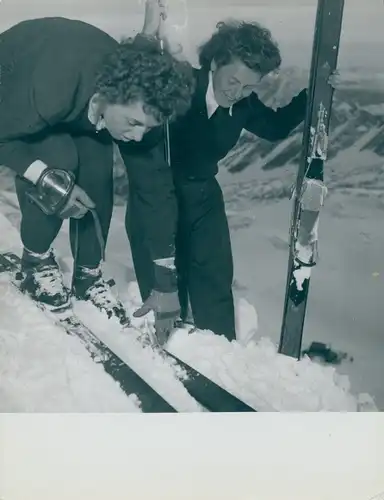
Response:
column 77, row 205
column 166, row 307
column 164, row 299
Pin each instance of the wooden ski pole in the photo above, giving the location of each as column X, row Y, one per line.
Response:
column 167, row 145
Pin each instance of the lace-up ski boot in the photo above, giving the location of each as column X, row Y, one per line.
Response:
column 89, row 285
column 40, row 277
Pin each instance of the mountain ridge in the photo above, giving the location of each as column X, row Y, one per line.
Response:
column 357, row 121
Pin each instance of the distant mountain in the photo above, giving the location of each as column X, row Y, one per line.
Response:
column 357, row 122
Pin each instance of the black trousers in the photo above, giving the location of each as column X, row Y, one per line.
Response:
column 141, row 256
column 203, row 255
column 91, row 159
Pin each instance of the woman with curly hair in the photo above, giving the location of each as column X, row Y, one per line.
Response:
column 68, row 91
column 233, row 62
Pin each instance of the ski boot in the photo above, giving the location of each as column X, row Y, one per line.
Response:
column 40, row 278
column 89, row 285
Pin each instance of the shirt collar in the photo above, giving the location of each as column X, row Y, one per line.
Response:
column 210, row 98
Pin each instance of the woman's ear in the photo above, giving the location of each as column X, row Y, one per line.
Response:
column 95, row 110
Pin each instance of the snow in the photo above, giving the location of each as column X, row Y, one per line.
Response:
column 261, row 377
column 149, row 364
column 42, row 369
column 302, row 273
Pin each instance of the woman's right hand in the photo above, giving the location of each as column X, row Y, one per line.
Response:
column 155, row 15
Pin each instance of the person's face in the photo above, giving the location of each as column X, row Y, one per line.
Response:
column 128, row 122
column 233, row 82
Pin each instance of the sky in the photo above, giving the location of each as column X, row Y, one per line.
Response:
column 291, row 21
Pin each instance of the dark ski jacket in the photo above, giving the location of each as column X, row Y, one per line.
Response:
column 199, row 143
column 47, row 75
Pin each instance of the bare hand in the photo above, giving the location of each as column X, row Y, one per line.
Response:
column 335, row 80
column 155, row 15
column 77, row 205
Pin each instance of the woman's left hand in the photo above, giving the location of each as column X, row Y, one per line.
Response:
column 335, row 80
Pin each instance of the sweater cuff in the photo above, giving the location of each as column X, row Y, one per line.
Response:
column 165, row 275
column 34, row 171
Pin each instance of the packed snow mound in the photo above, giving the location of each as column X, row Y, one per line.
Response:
column 261, row 377
column 257, row 374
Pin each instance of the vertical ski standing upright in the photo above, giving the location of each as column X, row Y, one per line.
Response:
column 310, row 190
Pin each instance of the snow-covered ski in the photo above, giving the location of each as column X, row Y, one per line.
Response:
column 209, row 394
column 129, row 381
column 205, row 391
column 310, row 190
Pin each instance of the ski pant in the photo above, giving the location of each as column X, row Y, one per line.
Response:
column 141, row 257
column 203, row 255
column 90, row 158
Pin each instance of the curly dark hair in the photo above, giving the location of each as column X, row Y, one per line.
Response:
column 249, row 42
column 139, row 70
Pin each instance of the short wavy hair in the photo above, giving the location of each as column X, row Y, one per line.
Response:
column 139, row 70
column 249, row 42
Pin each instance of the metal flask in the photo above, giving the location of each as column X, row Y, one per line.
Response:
column 52, row 190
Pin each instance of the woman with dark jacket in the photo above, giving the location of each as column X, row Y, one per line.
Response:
column 233, row 62
column 68, row 91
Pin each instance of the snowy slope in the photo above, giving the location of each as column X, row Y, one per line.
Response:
column 31, row 355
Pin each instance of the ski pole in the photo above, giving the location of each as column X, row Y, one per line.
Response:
column 167, row 142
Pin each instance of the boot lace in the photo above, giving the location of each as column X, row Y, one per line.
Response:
column 101, row 295
column 49, row 280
